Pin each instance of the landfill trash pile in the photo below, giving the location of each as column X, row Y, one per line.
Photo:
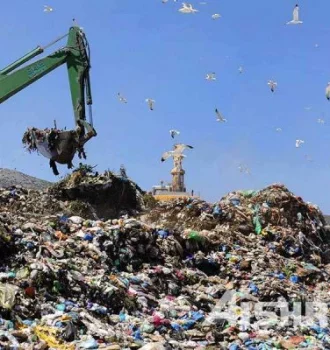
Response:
column 99, row 196
column 274, row 216
column 33, row 136
column 89, row 194
column 67, row 282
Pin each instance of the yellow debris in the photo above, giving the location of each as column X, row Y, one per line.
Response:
column 48, row 335
column 166, row 198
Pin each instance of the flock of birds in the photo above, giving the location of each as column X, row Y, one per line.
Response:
column 180, row 148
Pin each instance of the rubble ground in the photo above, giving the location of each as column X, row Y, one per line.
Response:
column 153, row 279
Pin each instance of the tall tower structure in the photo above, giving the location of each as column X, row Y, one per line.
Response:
column 176, row 189
column 178, row 174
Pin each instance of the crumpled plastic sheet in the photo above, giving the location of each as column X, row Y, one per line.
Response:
column 7, row 295
column 40, row 140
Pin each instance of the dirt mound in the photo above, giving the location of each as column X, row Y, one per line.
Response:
column 9, row 178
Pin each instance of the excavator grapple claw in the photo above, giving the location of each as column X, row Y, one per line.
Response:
column 59, row 146
column 62, row 149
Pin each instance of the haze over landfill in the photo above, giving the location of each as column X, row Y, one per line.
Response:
column 147, row 49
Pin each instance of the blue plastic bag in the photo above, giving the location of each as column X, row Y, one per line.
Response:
column 294, row 279
column 88, row 237
column 234, row 347
column 281, row 276
column 197, row 316
column 188, row 324
column 137, row 335
column 253, row 288
column 122, row 316
column 176, row 326
column 162, row 233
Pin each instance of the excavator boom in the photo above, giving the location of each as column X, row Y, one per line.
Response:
column 76, row 56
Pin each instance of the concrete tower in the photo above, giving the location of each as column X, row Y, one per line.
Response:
column 178, row 174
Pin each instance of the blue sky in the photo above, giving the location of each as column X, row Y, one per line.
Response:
column 148, row 49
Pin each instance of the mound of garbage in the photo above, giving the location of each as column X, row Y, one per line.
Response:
column 177, row 277
column 96, row 196
column 88, row 194
column 280, row 220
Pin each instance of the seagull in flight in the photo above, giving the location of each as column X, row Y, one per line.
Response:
column 299, row 143
column 295, row 19
column 327, row 91
column 240, row 69
column 174, row 133
column 180, row 147
column 278, row 129
column 321, row 121
column 169, row 154
column 244, row 169
column 220, row 117
column 178, row 150
column 150, row 102
column 216, row 16
column 48, row 8
column 210, row 76
column 187, row 8
column 121, row 98
column 272, row 84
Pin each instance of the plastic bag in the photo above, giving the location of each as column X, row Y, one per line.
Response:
column 195, row 236
column 7, row 295
column 257, row 225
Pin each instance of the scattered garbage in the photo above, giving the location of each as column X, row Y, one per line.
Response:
column 33, row 137
column 157, row 279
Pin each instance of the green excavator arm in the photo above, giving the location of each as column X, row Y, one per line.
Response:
column 76, row 56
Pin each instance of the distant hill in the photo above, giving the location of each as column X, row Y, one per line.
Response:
column 15, row 178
